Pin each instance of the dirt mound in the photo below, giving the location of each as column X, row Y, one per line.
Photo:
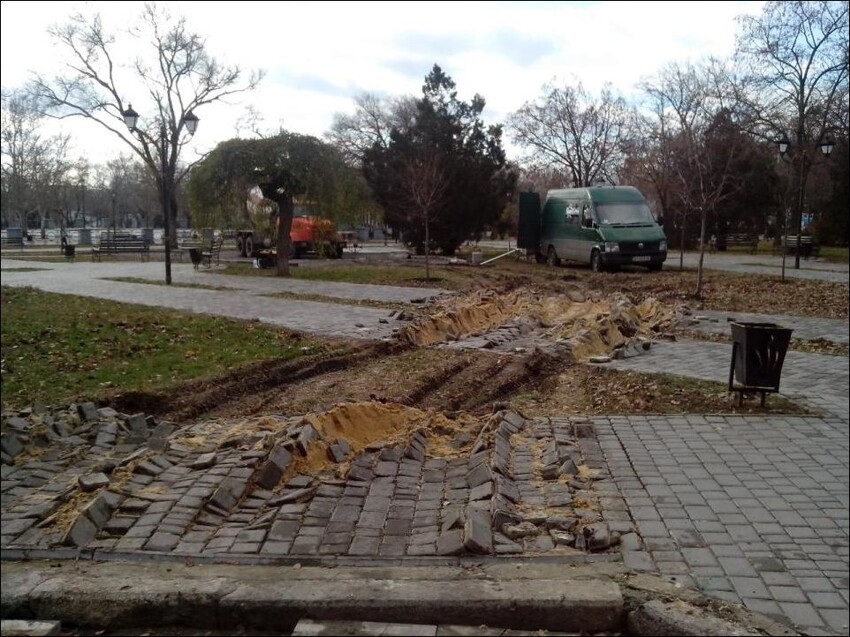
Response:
column 369, row 425
column 584, row 324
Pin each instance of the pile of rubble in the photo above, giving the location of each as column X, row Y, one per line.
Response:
column 577, row 325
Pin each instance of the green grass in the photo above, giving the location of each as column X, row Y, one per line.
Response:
column 405, row 275
column 24, row 269
column 834, row 254
column 57, row 348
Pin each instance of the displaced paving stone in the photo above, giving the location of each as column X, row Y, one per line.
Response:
column 93, row 481
column 88, row 411
column 450, row 542
column 138, row 425
column 148, row 468
column 18, row 424
column 521, row 530
column 307, row 435
column 204, row 461
column 359, row 473
column 297, row 496
column 81, row 532
column 479, row 475
column 477, row 533
column 481, row 492
column 227, row 494
column 562, row 538
column 98, row 511
column 10, row 445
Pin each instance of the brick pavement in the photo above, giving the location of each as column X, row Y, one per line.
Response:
column 751, row 509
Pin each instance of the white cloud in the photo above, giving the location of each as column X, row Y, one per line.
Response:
column 320, row 55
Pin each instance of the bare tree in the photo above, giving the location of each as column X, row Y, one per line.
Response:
column 796, row 57
column 178, row 75
column 373, row 120
column 695, row 103
column 34, row 165
column 424, row 183
column 569, row 129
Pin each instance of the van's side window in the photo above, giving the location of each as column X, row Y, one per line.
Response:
column 587, row 216
column 572, row 214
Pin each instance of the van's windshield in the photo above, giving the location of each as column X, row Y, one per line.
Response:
column 624, row 213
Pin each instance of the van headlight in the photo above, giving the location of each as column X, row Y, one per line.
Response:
column 662, row 245
column 612, row 246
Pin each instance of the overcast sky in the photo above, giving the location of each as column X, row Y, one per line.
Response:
column 319, row 55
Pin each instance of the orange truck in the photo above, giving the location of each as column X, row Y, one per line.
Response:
column 309, row 235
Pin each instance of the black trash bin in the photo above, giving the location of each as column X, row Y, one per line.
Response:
column 70, row 251
column 758, row 352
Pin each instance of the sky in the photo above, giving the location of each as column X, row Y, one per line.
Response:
column 318, row 56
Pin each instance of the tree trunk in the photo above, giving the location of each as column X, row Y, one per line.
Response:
column 701, row 252
column 284, row 225
column 427, row 250
column 682, row 245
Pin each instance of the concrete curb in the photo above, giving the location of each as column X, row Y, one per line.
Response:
column 515, row 595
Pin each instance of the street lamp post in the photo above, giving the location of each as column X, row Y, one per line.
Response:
column 190, row 120
column 114, row 212
column 784, row 146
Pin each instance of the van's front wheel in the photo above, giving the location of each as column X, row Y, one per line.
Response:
column 551, row 258
column 596, row 261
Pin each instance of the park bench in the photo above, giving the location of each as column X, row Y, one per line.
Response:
column 14, row 238
column 735, row 240
column 120, row 243
column 809, row 247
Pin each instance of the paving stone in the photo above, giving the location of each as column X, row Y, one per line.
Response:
column 359, row 473
column 93, row 481
column 88, row 411
column 481, row 492
column 477, row 532
column 11, row 445
column 479, row 475
column 98, row 511
column 81, row 532
column 307, row 435
column 451, row 542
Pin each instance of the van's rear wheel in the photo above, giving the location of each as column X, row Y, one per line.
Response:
column 655, row 267
column 249, row 245
column 240, row 245
column 551, row 258
column 596, row 261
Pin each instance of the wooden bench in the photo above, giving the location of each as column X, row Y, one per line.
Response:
column 809, row 247
column 735, row 240
column 120, row 244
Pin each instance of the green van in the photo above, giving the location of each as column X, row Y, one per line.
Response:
column 605, row 226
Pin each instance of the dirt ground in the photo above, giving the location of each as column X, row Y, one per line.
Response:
column 414, row 372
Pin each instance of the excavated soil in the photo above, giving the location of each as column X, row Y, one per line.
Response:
column 571, row 321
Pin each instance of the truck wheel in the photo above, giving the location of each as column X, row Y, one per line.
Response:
column 655, row 267
column 240, row 245
column 539, row 258
column 336, row 251
column 551, row 258
column 596, row 261
column 249, row 245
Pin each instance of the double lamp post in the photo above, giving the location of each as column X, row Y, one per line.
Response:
column 167, row 166
column 784, row 146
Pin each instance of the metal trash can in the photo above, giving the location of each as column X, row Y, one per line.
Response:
column 70, row 251
column 758, row 352
column 196, row 256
